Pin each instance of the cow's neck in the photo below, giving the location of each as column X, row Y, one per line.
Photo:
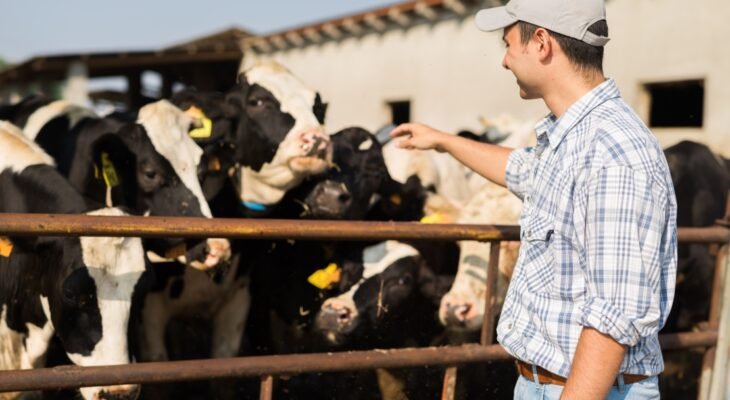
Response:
column 267, row 186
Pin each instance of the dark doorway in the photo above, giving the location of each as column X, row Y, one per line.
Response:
column 400, row 112
column 676, row 104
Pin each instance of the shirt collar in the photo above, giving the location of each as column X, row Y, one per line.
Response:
column 557, row 128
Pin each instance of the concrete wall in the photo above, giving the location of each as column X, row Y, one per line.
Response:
column 452, row 73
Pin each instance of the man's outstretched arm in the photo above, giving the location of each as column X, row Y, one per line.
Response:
column 488, row 160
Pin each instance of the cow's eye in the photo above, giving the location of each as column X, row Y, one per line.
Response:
column 256, row 102
column 79, row 300
column 404, row 280
column 150, row 174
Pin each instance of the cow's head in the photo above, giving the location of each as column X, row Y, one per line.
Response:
column 280, row 135
column 357, row 179
column 462, row 308
column 87, row 297
column 391, row 280
column 154, row 166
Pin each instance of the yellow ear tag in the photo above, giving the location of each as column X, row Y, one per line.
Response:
column 395, row 199
column 324, row 278
column 6, row 247
column 108, row 171
column 206, row 130
column 435, row 218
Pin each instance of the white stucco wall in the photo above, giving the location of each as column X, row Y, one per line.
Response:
column 452, row 73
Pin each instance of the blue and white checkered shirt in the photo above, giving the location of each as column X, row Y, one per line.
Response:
column 599, row 237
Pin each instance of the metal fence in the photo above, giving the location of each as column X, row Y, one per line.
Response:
column 268, row 367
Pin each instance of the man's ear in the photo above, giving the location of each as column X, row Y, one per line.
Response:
column 543, row 42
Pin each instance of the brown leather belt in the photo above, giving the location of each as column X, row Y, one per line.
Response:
column 546, row 377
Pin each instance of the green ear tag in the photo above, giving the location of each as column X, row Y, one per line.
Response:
column 108, row 171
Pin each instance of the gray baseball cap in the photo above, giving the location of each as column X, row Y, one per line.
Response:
column 567, row 17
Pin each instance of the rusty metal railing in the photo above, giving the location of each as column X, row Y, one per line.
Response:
column 268, row 367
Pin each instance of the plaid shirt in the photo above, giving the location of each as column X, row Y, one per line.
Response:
column 599, row 237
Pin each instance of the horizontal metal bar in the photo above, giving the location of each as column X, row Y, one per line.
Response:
column 242, row 228
column 156, row 372
column 86, row 225
column 684, row 340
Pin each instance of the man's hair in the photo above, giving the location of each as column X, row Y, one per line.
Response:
column 583, row 55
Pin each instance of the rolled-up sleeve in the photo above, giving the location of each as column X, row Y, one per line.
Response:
column 625, row 221
column 517, row 174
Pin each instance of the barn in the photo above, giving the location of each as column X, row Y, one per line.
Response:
column 426, row 61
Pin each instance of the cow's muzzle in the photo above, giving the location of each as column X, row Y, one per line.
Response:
column 335, row 320
column 120, row 392
column 315, row 152
column 459, row 313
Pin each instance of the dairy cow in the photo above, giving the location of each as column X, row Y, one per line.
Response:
column 259, row 140
column 462, row 308
column 701, row 183
column 390, row 295
column 77, row 289
column 148, row 167
column 280, row 138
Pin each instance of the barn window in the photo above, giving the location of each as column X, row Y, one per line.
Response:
column 676, row 104
column 400, row 112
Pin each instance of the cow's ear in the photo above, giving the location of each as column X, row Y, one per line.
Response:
column 242, row 82
column 235, row 103
column 350, row 274
column 319, row 108
column 115, row 167
column 433, row 287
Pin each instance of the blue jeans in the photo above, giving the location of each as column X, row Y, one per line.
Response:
column 648, row 388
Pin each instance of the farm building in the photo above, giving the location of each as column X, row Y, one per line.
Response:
column 426, row 61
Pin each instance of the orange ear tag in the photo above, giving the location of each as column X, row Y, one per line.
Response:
column 6, row 247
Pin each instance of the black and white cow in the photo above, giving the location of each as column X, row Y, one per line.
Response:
column 18, row 113
column 148, row 167
column 78, row 289
column 701, row 183
column 274, row 124
column 391, row 298
column 280, row 136
column 356, row 181
column 462, row 308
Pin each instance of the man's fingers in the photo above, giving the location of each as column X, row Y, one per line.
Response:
column 401, row 130
column 405, row 144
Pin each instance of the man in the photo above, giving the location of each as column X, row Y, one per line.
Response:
column 595, row 278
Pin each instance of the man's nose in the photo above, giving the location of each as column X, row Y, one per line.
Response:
column 504, row 62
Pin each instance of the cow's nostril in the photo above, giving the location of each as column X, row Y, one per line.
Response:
column 344, row 315
column 344, row 197
column 462, row 311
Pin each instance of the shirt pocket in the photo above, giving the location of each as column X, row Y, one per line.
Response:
column 538, row 253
